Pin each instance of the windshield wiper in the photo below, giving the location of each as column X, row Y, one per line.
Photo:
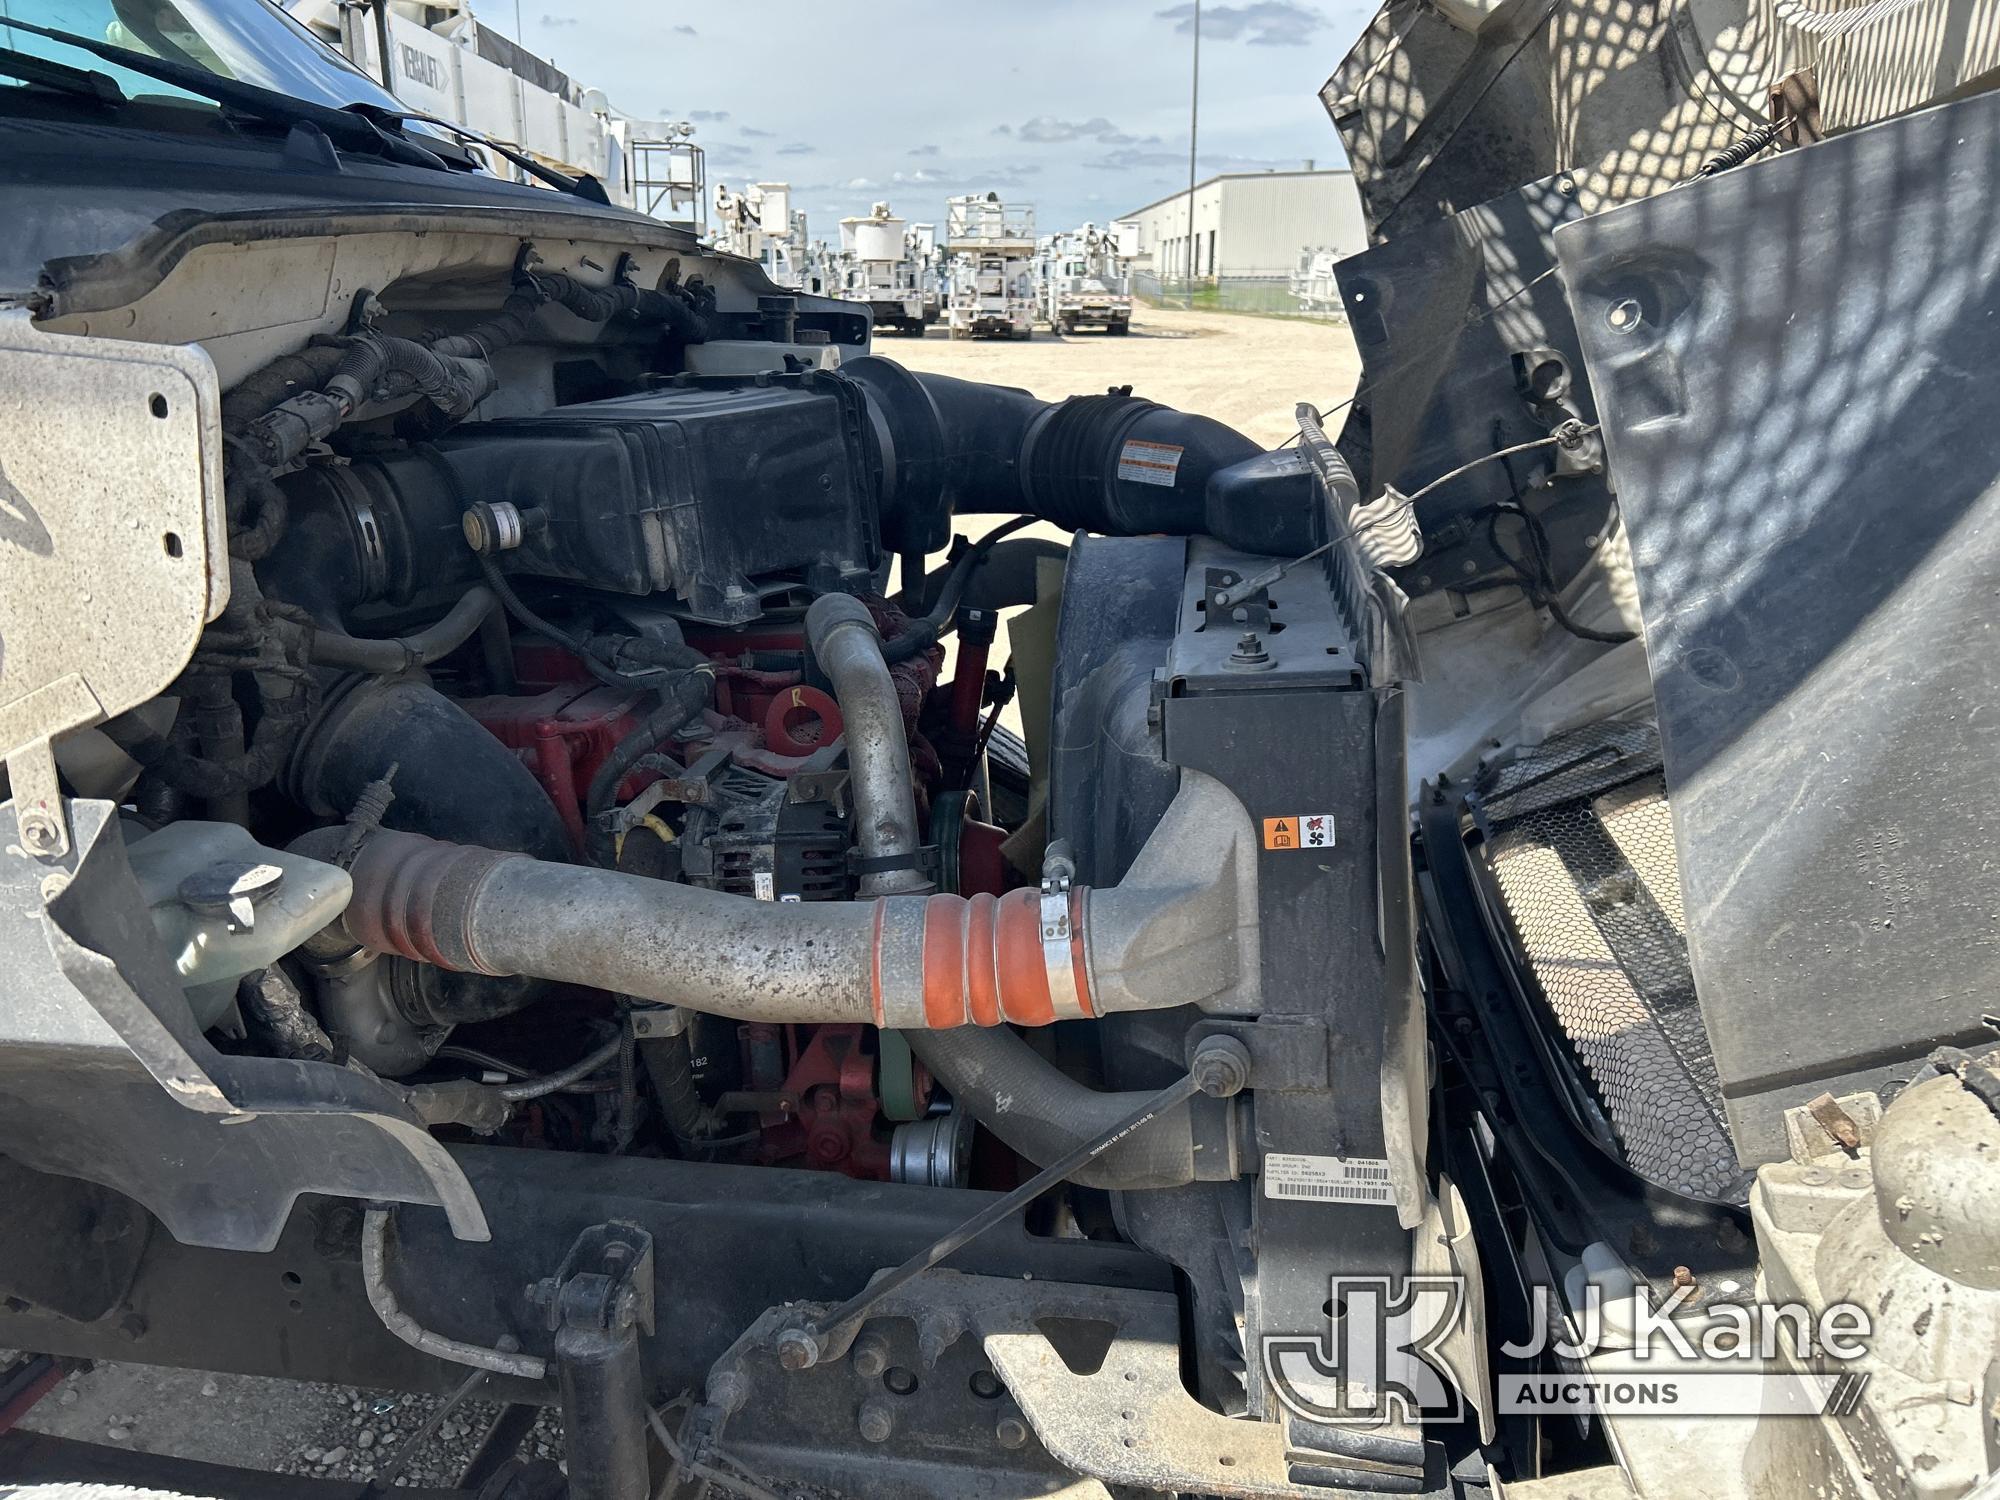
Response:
column 42, row 72
column 355, row 132
column 585, row 186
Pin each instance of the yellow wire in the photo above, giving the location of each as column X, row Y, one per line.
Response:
column 653, row 823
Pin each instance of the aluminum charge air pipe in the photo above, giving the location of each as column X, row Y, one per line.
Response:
column 1180, row 929
column 848, row 647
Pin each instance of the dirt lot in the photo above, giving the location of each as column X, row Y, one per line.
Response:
column 1248, row 372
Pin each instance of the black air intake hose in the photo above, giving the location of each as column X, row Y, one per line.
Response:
column 453, row 780
column 1114, row 464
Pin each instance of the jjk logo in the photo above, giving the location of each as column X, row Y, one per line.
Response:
column 1378, row 1360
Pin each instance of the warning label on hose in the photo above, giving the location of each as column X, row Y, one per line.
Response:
column 1327, row 1179
column 1149, row 463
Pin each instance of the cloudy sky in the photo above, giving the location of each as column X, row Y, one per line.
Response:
column 1079, row 108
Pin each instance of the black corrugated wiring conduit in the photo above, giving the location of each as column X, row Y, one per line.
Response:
column 420, row 648
column 688, row 695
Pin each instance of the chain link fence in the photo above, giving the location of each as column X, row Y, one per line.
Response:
column 1267, row 296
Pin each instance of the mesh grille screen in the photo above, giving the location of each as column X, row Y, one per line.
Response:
column 1582, row 851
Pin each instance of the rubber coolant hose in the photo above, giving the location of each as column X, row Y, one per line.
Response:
column 1042, row 1112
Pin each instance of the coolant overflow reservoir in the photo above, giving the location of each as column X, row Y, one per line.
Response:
column 226, row 906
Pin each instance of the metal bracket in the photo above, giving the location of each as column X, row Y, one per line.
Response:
column 113, row 542
column 605, row 1281
column 821, row 777
column 1222, row 610
column 1128, row 1422
column 66, row 703
column 1286, row 1054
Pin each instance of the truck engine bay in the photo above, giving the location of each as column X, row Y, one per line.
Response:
column 518, row 879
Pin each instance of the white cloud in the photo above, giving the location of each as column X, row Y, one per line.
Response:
column 1263, row 23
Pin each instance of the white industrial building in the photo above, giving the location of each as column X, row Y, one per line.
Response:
column 1250, row 225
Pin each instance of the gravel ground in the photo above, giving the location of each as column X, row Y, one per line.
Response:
column 1248, row 372
column 331, row 1432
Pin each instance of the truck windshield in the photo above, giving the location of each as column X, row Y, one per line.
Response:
column 250, row 41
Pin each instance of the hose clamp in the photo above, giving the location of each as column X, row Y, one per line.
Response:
column 1057, row 945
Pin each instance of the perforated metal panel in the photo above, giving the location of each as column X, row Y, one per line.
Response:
column 1582, row 853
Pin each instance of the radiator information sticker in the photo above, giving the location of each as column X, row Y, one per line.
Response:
column 1327, row 1179
column 1299, row 831
column 1149, row 463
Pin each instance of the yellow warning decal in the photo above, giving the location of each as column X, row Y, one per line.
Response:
column 1281, row 833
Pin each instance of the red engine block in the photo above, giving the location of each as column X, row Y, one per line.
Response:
column 828, row 1112
column 825, row 1111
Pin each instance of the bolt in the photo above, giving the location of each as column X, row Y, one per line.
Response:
column 985, row 1384
column 625, row 1308
column 1683, row 1276
column 1570, row 434
column 1011, row 1432
column 871, row 1355
column 729, row 1391
column 39, row 834
column 1624, row 315
column 1221, row 1066
column 797, row 1349
column 132, row 1328
column 877, row 1421
column 1250, row 648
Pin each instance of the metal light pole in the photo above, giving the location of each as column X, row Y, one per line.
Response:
column 1194, row 131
